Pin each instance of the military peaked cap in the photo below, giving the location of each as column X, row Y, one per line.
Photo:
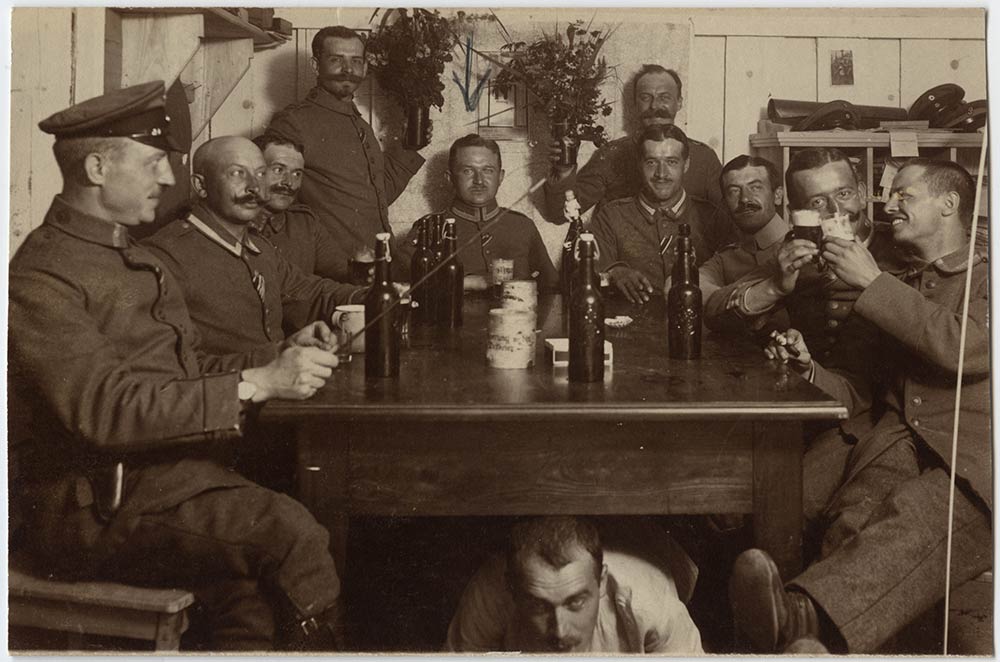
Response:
column 143, row 113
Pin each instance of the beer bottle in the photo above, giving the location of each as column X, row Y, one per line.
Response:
column 437, row 256
column 451, row 279
column 571, row 212
column 420, row 266
column 684, row 302
column 382, row 330
column 586, row 318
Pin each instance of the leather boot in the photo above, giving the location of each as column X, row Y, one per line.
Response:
column 770, row 617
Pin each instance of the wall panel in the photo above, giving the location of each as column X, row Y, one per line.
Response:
column 705, row 96
column 876, row 71
column 758, row 69
column 930, row 62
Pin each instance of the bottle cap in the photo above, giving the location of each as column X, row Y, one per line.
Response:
column 586, row 236
column 382, row 236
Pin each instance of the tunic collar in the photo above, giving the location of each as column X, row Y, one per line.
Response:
column 321, row 97
column 475, row 214
column 767, row 236
column 205, row 223
column 81, row 225
column 276, row 220
column 650, row 210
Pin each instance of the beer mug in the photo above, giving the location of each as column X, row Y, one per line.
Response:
column 348, row 320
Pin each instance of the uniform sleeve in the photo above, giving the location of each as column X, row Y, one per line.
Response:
column 711, row 276
column 399, row 169
column 79, row 373
column 930, row 329
column 406, row 247
column 607, row 239
column 306, row 298
column 331, row 258
column 484, row 612
column 722, row 310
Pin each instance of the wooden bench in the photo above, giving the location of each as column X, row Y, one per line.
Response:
column 99, row 608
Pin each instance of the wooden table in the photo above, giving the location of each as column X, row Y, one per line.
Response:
column 452, row 436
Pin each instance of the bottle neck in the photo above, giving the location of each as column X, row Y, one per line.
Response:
column 422, row 234
column 684, row 267
column 585, row 270
column 382, row 262
column 450, row 245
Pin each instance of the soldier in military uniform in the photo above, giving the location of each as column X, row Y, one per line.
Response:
column 634, row 235
column 610, row 173
column 118, row 441
column 242, row 293
column 753, row 192
column 349, row 181
column 292, row 226
column 883, row 559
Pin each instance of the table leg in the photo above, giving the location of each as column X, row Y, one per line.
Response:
column 323, row 482
column 777, row 493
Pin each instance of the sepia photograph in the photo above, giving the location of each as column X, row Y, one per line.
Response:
column 565, row 331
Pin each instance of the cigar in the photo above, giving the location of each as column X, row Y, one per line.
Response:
column 783, row 341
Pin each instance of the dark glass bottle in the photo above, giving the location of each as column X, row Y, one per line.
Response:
column 436, row 247
column 586, row 318
column 684, row 302
column 382, row 330
column 451, row 279
column 571, row 211
column 420, row 266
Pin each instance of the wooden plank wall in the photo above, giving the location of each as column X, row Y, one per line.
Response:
column 734, row 61
column 51, row 70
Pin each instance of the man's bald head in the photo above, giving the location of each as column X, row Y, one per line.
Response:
column 227, row 177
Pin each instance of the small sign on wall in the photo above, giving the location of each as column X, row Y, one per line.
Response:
column 841, row 67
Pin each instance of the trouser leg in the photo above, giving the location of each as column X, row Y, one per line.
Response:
column 259, row 539
column 893, row 569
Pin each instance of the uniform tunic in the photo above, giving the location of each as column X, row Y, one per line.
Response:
column 613, row 173
column 513, row 237
column 104, row 366
column 349, row 182
column 883, row 561
column 630, row 232
column 302, row 240
column 736, row 260
column 242, row 295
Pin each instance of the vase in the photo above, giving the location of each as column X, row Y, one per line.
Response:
column 569, row 145
column 418, row 123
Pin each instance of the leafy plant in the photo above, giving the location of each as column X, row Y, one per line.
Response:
column 563, row 74
column 408, row 52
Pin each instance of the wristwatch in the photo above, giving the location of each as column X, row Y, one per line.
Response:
column 246, row 391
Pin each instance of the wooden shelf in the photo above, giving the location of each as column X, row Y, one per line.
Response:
column 860, row 139
column 219, row 23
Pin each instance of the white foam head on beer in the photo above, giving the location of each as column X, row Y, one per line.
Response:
column 805, row 218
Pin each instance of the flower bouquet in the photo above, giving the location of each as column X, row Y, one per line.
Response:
column 564, row 76
column 407, row 53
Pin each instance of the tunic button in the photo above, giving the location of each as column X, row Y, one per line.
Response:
column 833, row 324
column 916, row 422
column 931, row 284
column 916, row 400
column 834, row 305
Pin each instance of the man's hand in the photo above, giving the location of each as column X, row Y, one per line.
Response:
column 559, row 172
column 633, row 284
column 851, row 261
column 475, row 283
column 790, row 347
column 317, row 334
column 791, row 257
column 296, row 374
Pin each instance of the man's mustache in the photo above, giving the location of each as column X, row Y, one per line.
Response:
column 748, row 207
column 657, row 113
column 246, row 199
column 283, row 189
column 344, row 78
